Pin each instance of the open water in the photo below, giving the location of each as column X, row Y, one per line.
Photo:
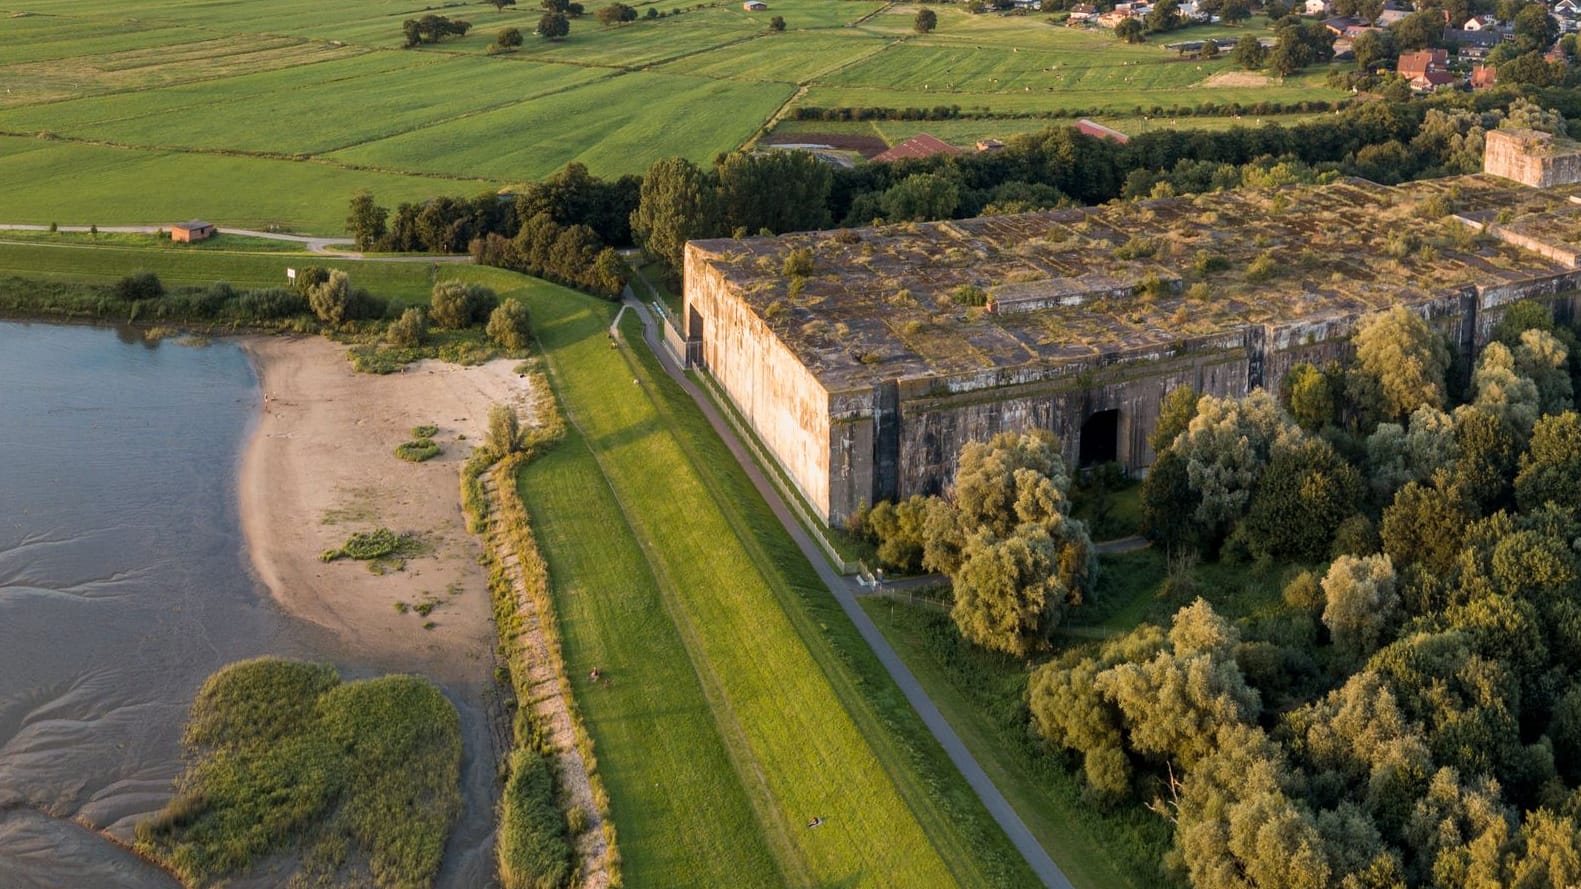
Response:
column 124, row 582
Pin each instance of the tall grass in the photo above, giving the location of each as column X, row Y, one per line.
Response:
column 361, row 778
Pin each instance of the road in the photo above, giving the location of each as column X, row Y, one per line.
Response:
column 844, row 590
column 325, row 246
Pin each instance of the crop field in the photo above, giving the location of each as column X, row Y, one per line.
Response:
column 666, row 558
column 247, row 113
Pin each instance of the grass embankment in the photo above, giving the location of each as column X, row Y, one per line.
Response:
column 360, row 778
column 807, row 717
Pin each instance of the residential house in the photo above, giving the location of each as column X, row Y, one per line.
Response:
column 754, row 6
column 1480, row 23
column 1415, row 64
column 1083, row 12
column 1433, row 81
column 1472, row 44
column 1390, row 15
column 1483, row 77
column 1318, row 7
column 1338, row 24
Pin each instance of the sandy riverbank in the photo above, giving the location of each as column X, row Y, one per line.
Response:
column 321, row 466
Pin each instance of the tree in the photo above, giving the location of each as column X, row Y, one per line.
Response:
column 777, row 23
column 1174, row 416
column 1535, row 27
column 1305, row 393
column 455, row 305
column 509, row 325
column 1360, row 602
column 1426, row 524
column 365, row 224
column 505, row 434
column 615, row 13
column 781, row 191
column 1226, row 448
column 1130, row 30
column 1007, row 592
column 1374, row 48
column 925, row 21
column 408, row 331
column 432, row 29
column 1233, row 12
column 1168, row 503
column 678, row 203
column 1249, row 53
column 1304, row 494
column 139, row 285
column 1164, row 17
column 921, row 197
column 1419, row 30
column 330, row 299
column 1503, row 392
column 554, row 26
column 1405, row 356
column 508, row 37
column 1550, row 469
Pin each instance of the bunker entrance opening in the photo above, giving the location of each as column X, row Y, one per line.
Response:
column 1100, row 439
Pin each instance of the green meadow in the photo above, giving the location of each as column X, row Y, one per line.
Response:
column 275, row 114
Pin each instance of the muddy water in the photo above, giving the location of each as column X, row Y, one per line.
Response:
column 124, row 582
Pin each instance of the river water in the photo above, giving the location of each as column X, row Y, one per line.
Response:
column 124, row 582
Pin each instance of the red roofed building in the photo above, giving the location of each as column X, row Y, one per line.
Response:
column 1433, row 81
column 1483, row 77
column 920, row 145
column 1099, row 131
column 1415, row 64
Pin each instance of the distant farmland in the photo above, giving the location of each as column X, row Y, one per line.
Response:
column 274, row 114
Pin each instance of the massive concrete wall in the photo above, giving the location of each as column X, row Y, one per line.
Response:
column 901, row 437
column 1531, row 158
column 781, row 399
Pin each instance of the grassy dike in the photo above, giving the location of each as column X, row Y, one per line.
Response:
column 808, row 720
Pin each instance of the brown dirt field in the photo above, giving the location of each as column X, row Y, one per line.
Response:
column 867, row 146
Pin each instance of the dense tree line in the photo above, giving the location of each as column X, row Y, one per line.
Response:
column 1409, row 715
column 746, row 194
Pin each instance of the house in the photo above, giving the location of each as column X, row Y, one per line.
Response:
column 1415, row 64
column 1483, row 77
column 1083, row 12
column 1567, row 8
column 920, row 145
column 1099, row 131
column 1433, row 81
column 1390, row 16
column 1472, row 44
column 1340, row 24
column 1480, row 23
column 196, row 230
column 1033, row 5
column 754, row 6
column 1318, row 7
column 1354, row 31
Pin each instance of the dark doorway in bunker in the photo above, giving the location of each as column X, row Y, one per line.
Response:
column 1100, row 439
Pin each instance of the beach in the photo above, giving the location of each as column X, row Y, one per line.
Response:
column 320, row 466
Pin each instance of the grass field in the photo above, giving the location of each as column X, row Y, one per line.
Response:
column 810, row 724
column 275, row 114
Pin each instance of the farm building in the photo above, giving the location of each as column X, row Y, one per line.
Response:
column 754, row 6
column 196, row 230
column 864, row 378
column 920, row 145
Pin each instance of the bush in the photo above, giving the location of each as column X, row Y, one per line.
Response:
column 509, row 37
column 510, row 326
column 417, row 450
column 330, row 299
column 270, row 304
column 505, row 433
column 410, row 330
column 139, row 285
column 456, row 305
column 534, row 852
column 798, row 263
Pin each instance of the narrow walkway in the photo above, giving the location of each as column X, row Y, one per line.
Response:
column 310, row 243
column 844, row 591
column 547, row 696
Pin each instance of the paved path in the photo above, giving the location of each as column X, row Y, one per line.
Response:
column 326, row 246
column 844, row 590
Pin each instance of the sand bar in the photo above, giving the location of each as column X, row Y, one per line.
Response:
column 320, row 466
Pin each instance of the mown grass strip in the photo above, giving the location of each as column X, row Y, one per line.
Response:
column 793, row 697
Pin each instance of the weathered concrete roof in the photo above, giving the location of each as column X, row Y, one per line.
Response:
column 1088, row 283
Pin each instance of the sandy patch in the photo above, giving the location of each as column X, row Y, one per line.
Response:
column 321, row 466
column 1234, row 79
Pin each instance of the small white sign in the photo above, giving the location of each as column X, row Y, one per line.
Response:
column 290, row 274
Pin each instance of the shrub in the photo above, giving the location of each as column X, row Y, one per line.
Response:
column 417, row 450
column 509, row 37
column 410, row 330
column 456, row 305
column 798, row 263
column 970, row 295
column 533, row 848
column 330, row 299
column 509, row 325
column 270, row 304
column 505, row 433
column 139, row 285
